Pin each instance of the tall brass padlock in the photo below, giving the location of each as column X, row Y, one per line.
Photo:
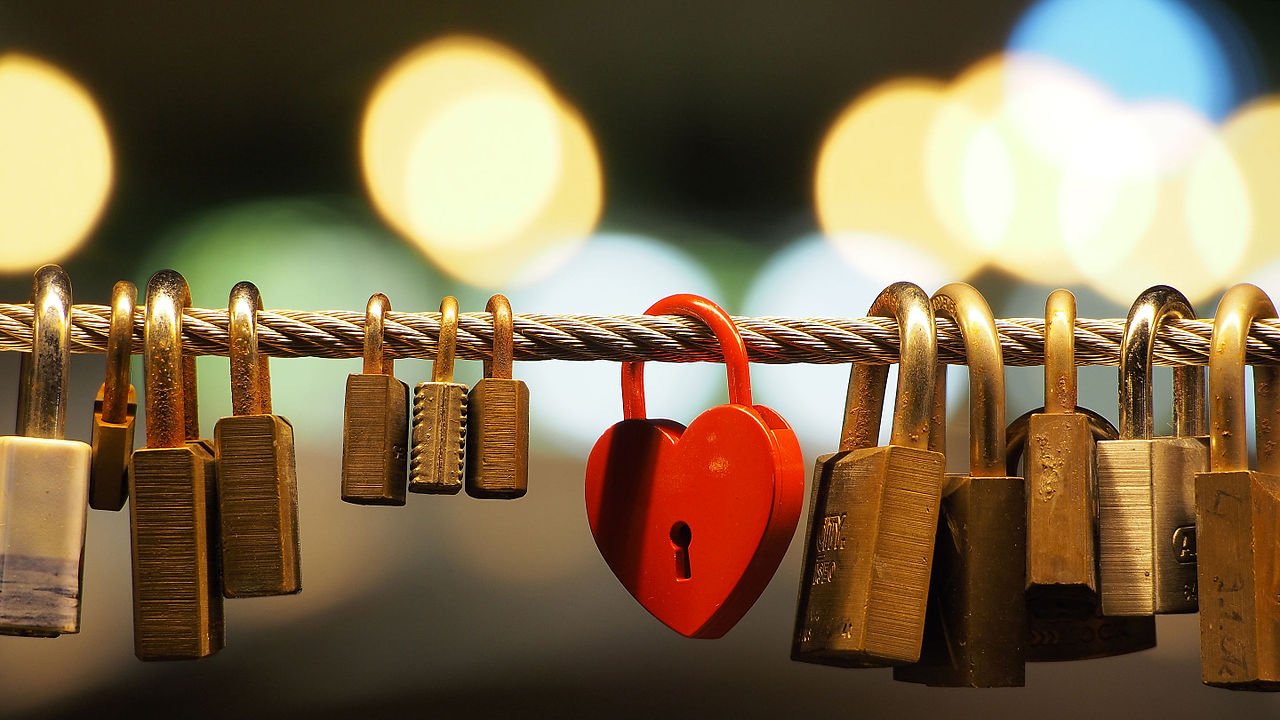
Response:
column 115, row 408
column 440, row 417
column 976, row 630
column 1070, row 625
column 375, row 422
column 498, row 422
column 1238, row 510
column 177, row 598
column 1146, row 486
column 44, row 480
column 257, row 472
column 873, row 512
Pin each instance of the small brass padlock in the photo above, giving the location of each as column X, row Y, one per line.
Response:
column 873, row 511
column 976, row 630
column 44, row 480
column 177, row 598
column 257, row 472
column 1238, row 510
column 440, row 417
column 115, row 408
column 1069, row 624
column 375, row 422
column 498, row 419
column 1146, row 485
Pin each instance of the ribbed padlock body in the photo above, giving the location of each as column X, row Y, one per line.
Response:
column 437, row 453
column 1238, row 523
column 976, row 629
column 109, row 469
column 498, row 439
column 1147, row 524
column 375, row 437
column 44, row 485
column 1061, row 529
column 873, row 518
column 258, row 506
column 177, row 597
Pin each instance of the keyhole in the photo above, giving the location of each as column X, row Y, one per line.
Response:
column 681, row 535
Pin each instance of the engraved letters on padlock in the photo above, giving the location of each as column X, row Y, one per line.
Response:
column 257, row 475
column 498, row 419
column 375, row 422
column 440, row 417
column 44, row 480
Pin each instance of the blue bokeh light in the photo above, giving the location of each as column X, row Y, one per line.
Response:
column 1145, row 49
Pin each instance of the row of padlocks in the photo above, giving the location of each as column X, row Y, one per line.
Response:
column 954, row 580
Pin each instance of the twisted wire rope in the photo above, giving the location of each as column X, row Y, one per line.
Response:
column 618, row 338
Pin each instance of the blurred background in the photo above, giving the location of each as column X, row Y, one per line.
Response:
column 582, row 157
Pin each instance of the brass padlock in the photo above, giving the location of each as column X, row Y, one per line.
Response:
column 976, row 628
column 1070, row 625
column 257, row 472
column 498, row 419
column 1238, row 510
column 873, row 511
column 177, row 598
column 115, row 408
column 375, row 422
column 440, row 417
column 44, row 480
column 1146, row 485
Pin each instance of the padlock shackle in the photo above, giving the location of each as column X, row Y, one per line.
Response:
column 498, row 365
column 1060, row 386
column 116, row 384
column 250, row 370
column 918, row 356
column 1137, row 347
column 727, row 335
column 45, row 371
column 1015, row 438
column 446, row 341
column 170, row 383
column 964, row 305
column 1228, row 449
column 376, row 361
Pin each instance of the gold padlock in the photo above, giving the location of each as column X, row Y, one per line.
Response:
column 976, row 629
column 375, row 422
column 440, row 417
column 115, row 408
column 873, row 511
column 1146, row 485
column 1238, row 510
column 1070, row 625
column 257, row 472
column 177, row 598
column 498, row 419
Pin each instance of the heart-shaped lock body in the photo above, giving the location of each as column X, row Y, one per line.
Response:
column 694, row 521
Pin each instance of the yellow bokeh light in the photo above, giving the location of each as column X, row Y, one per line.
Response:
column 1253, row 138
column 55, row 163
column 871, row 174
column 467, row 151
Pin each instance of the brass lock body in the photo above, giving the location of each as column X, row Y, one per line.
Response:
column 44, row 480
column 976, row 629
column 1238, row 510
column 114, row 409
column 177, row 597
column 375, row 422
column 1146, row 485
column 257, row 470
column 437, row 454
column 498, row 419
column 873, row 510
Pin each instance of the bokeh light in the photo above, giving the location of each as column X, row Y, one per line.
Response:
column 1253, row 137
column 1140, row 49
column 55, row 163
column 467, row 151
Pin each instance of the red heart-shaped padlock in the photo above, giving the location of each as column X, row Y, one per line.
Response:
column 694, row 521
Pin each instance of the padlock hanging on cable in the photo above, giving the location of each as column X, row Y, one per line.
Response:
column 375, row 421
column 115, row 408
column 437, row 454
